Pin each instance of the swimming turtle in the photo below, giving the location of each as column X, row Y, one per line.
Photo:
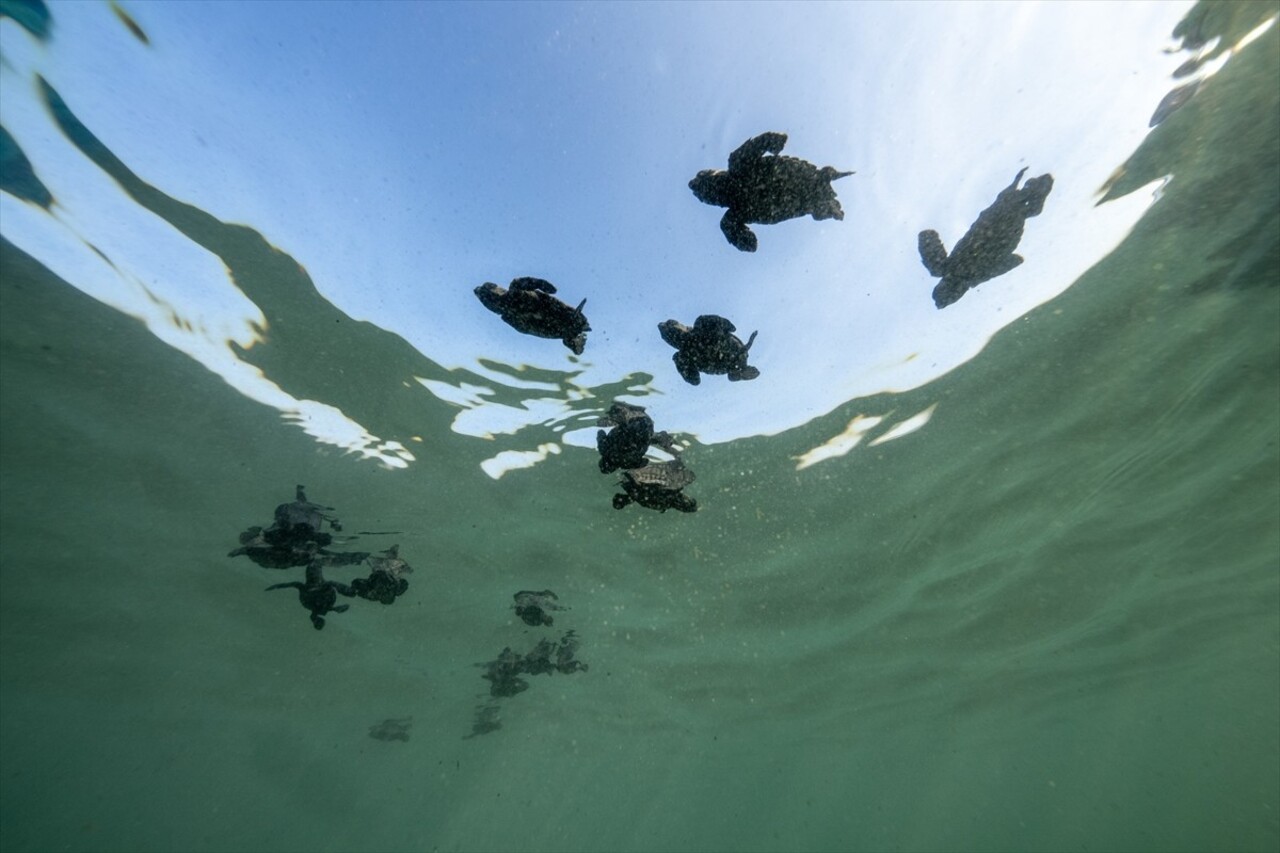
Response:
column 529, row 306
column 761, row 186
column 710, row 346
column 986, row 250
column 625, row 445
column 532, row 606
column 657, row 486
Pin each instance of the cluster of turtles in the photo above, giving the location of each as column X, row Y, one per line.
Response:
column 296, row 538
column 761, row 186
column 505, row 672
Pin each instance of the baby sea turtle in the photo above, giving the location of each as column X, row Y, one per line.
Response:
column 657, row 486
column 625, row 445
column 710, row 346
column 317, row 594
column 528, row 306
column 387, row 579
column 761, row 186
column 986, row 250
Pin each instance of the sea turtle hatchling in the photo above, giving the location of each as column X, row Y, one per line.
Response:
column 710, row 347
column 762, row 186
column 528, row 306
column 625, row 445
column 657, row 486
column 986, row 250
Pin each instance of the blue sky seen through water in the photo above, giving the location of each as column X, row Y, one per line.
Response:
column 404, row 153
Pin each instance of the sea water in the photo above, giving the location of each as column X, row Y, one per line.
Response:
column 1048, row 620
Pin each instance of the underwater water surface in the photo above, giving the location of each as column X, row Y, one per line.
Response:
column 1030, row 604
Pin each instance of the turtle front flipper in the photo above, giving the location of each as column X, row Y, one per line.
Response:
column 1006, row 264
column 932, row 253
column 529, row 283
column 770, row 142
column 620, row 500
column 709, row 324
column 737, row 232
column 688, row 367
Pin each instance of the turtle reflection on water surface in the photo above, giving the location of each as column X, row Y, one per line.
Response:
column 386, row 581
column 294, row 537
column 625, row 445
column 657, row 486
column 316, row 594
column 532, row 606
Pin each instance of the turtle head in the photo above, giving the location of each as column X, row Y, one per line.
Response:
column 711, row 187
column 1035, row 191
column 491, row 295
column 673, row 332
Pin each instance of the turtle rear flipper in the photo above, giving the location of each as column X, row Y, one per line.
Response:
column 620, row 500
column 688, row 367
column 948, row 291
column 737, row 233
column 530, row 283
column 743, row 374
column 932, row 253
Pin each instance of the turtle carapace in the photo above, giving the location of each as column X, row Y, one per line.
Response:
column 625, row 445
column 710, row 347
column 762, row 186
column 986, row 250
column 529, row 306
column 657, row 486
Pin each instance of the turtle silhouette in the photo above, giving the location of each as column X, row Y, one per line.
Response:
column 288, row 541
column 657, row 486
column 709, row 347
column 764, row 187
column 316, row 594
column 986, row 250
column 528, row 306
column 387, row 579
column 625, row 445
column 533, row 607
